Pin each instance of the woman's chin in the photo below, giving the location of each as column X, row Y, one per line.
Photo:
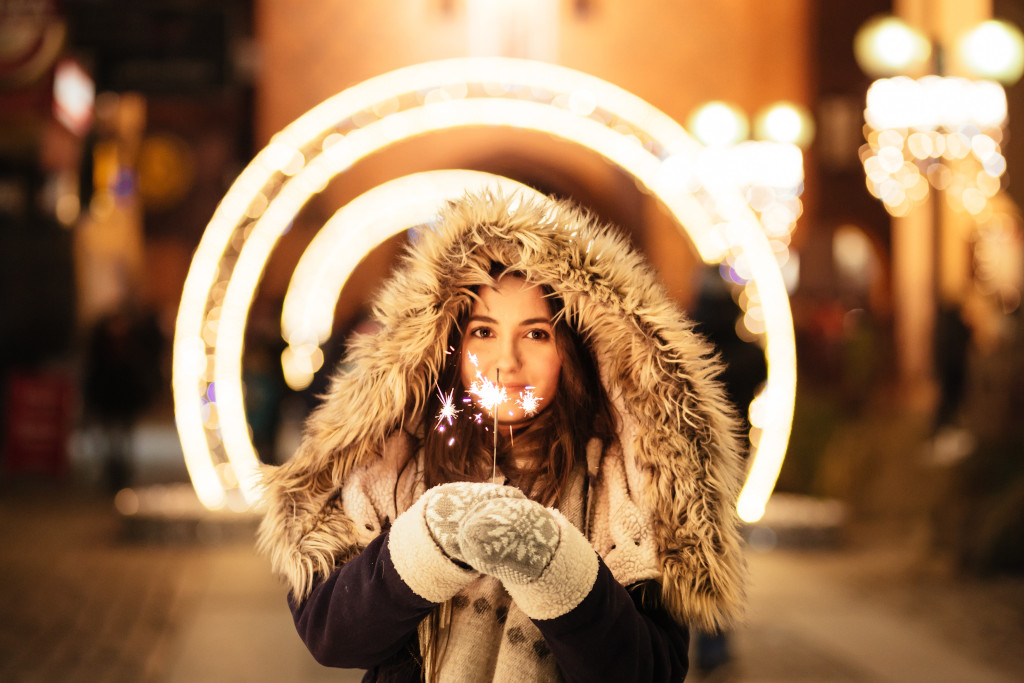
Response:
column 514, row 417
column 513, row 421
column 509, row 418
column 517, row 419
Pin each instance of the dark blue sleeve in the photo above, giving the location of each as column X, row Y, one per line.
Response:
column 618, row 635
column 363, row 614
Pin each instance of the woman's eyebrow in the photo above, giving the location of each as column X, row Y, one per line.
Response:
column 522, row 323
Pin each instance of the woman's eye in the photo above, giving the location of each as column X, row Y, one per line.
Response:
column 538, row 335
column 481, row 332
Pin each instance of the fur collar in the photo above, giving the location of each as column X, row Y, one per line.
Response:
column 659, row 373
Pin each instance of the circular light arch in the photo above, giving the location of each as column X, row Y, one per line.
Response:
column 301, row 159
column 307, row 315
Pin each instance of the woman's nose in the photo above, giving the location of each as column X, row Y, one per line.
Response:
column 509, row 356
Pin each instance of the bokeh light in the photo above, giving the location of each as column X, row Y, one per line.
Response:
column 938, row 132
column 785, row 122
column 994, row 49
column 886, row 45
column 719, row 124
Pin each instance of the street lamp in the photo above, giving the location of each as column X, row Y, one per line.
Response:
column 886, row 45
column 935, row 123
column 931, row 129
column 994, row 49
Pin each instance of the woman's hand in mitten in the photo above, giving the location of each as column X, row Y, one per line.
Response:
column 447, row 505
column 544, row 562
column 423, row 541
column 511, row 539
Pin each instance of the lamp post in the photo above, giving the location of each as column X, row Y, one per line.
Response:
column 934, row 127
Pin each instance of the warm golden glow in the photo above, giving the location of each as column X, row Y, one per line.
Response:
column 886, row 45
column 938, row 132
column 417, row 100
column 719, row 123
column 994, row 49
column 785, row 122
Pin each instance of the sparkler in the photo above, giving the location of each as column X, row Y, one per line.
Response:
column 489, row 395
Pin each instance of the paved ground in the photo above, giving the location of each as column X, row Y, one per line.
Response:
column 81, row 600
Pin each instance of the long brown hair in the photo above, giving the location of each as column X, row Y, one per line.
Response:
column 559, row 434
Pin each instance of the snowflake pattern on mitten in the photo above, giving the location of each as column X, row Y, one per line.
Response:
column 448, row 504
column 512, row 539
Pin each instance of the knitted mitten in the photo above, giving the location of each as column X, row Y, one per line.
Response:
column 545, row 563
column 510, row 539
column 447, row 505
column 423, row 541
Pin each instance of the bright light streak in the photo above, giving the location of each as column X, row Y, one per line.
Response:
column 934, row 102
column 303, row 157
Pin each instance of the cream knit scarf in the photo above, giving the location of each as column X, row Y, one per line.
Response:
column 484, row 636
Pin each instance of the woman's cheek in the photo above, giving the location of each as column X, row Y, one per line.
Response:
column 552, row 370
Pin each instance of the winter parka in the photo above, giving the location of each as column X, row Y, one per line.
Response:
column 677, row 460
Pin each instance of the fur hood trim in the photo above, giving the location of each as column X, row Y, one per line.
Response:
column 680, row 430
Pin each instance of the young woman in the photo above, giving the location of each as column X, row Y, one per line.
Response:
column 527, row 474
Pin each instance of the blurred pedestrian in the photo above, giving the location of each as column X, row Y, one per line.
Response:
column 952, row 342
column 122, row 378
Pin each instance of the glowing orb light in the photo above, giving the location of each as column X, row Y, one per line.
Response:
column 323, row 143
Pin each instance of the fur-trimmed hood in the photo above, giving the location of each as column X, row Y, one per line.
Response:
column 660, row 375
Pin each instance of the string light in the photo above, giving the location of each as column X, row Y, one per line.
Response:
column 935, row 132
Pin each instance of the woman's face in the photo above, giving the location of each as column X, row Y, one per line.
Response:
column 510, row 341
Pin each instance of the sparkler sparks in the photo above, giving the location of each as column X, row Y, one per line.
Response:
column 489, row 394
column 448, row 410
column 529, row 401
